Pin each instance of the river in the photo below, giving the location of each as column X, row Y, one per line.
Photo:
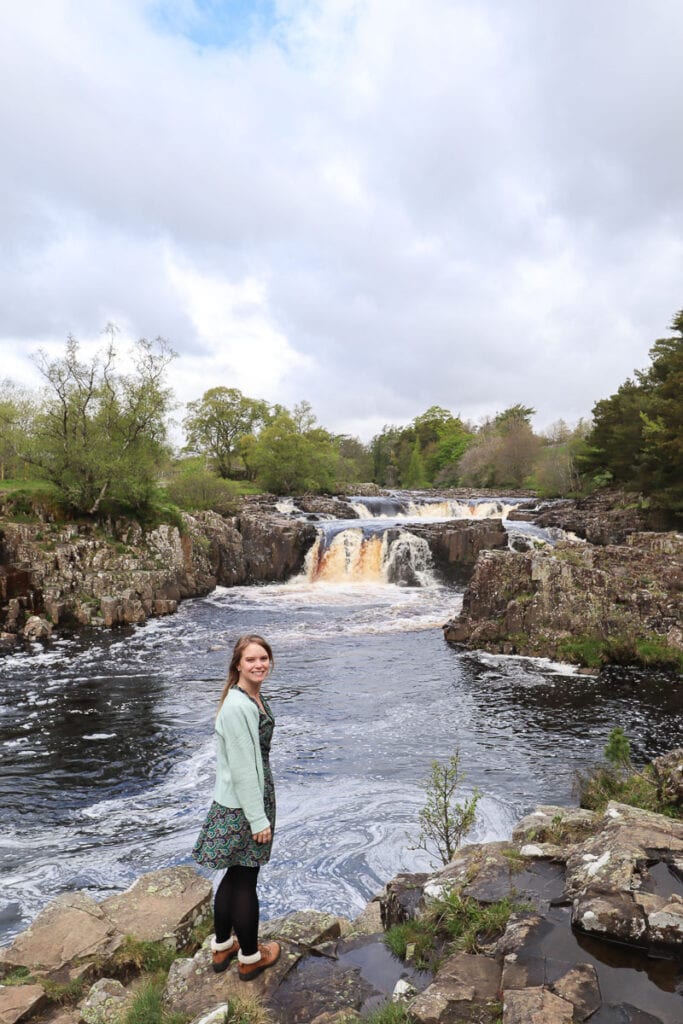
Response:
column 107, row 748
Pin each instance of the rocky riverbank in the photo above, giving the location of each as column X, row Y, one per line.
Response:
column 579, row 602
column 560, row 923
column 611, row 591
column 79, row 574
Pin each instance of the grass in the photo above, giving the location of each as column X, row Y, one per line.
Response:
column 514, row 858
column 18, row 976
column 65, row 993
column 140, row 956
column 595, row 651
column 147, row 1006
column 390, row 1013
column 470, row 925
column 247, row 1010
column 606, row 782
column 419, row 934
column 454, row 923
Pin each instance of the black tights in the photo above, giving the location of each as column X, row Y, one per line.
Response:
column 236, row 906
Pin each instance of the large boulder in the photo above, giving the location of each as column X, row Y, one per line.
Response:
column 19, row 1002
column 105, row 1002
column 463, row 986
column 192, row 985
column 274, row 547
column 455, row 545
column 70, row 930
column 162, row 906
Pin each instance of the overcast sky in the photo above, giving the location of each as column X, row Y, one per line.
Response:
column 376, row 205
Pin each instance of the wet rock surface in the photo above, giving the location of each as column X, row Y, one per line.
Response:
column 455, row 545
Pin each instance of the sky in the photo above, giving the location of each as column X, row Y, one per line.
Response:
column 373, row 205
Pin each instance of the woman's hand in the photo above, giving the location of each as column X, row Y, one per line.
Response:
column 263, row 837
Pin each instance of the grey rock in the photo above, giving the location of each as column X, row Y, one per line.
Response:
column 105, row 1003
column 162, row 906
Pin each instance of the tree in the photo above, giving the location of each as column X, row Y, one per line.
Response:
column 97, row 434
column 415, row 474
column 217, row 422
column 288, row 461
column 444, row 823
column 637, row 435
column 16, row 411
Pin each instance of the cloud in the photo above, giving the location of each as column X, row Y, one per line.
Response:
column 370, row 205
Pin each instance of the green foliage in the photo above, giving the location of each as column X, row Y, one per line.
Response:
column 637, row 436
column 594, row 651
column 290, row 455
column 193, row 488
column 17, row 976
column 421, row 454
column 503, row 453
column 147, row 1006
column 415, row 477
column 97, row 434
column 468, row 924
column 421, row 935
column 618, row 749
column 217, row 422
column 444, row 823
column 141, row 955
column 390, row 1013
column 619, row 780
column 64, row 993
column 453, row 922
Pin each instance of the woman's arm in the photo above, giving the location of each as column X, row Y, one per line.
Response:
column 244, row 760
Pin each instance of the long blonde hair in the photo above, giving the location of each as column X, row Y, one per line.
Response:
column 237, row 652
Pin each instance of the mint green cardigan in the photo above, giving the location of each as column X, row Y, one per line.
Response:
column 239, row 768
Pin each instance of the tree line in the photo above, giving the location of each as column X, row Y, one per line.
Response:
column 99, row 437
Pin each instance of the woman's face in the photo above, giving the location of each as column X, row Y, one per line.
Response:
column 254, row 664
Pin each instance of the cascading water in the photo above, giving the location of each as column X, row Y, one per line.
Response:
column 355, row 555
column 412, row 507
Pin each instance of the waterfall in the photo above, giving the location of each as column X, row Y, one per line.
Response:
column 412, row 507
column 356, row 556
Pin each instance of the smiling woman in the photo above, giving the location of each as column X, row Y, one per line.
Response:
column 238, row 831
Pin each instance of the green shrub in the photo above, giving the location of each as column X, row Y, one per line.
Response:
column 468, row 924
column 618, row 780
column 194, row 489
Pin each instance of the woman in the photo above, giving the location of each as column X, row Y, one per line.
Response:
column 238, row 831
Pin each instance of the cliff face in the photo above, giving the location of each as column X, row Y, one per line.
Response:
column 76, row 575
column 578, row 601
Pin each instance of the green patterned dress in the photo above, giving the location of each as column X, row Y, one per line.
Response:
column 225, row 838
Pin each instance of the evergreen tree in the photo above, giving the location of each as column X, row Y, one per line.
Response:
column 637, row 436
